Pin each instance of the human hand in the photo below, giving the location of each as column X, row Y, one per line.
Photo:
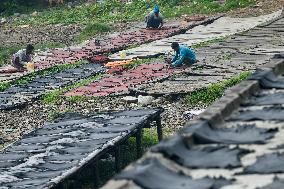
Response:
column 167, row 60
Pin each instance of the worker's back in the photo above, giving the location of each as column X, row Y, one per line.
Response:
column 154, row 21
column 188, row 52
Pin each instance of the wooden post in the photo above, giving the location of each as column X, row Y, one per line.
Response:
column 138, row 143
column 97, row 176
column 159, row 128
column 117, row 158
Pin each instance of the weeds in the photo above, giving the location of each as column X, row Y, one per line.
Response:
column 49, row 45
column 6, row 53
column 227, row 56
column 54, row 114
column 4, row 86
column 214, row 91
column 75, row 99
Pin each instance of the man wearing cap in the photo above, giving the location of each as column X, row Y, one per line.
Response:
column 154, row 19
column 22, row 57
column 184, row 55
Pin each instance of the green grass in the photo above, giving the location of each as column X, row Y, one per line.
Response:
column 4, row 86
column 211, row 93
column 227, row 56
column 55, row 96
column 114, row 11
column 209, row 42
column 54, row 114
column 6, row 53
column 76, row 99
column 92, row 29
column 49, row 45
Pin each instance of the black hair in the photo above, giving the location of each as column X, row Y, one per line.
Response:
column 30, row 47
column 175, row 45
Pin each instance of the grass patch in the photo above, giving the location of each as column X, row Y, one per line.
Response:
column 209, row 42
column 54, row 114
column 227, row 56
column 114, row 11
column 4, row 86
column 6, row 53
column 211, row 93
column 55, row 96
column 49, row 45
column 92, row 29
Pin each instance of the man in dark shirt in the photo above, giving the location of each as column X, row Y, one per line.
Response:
column 22, row 57
column 154, row 19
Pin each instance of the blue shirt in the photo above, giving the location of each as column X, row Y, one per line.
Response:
column 183, row 53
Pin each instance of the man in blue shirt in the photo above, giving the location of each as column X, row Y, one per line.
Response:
column 184, row 55
column 154, row 19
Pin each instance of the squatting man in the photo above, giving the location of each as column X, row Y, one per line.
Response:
column 23, row 57
column 183, row 56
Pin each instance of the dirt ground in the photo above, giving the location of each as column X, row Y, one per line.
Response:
column 262, row 7
column 21, row 35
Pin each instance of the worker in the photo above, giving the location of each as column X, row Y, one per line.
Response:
column 154, row 19
column 23, row 57
column 183, row 55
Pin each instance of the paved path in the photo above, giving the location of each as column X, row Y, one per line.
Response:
column 236, row 144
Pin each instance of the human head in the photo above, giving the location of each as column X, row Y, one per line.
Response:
column 30, row 48
column 156, row 10
column 175, row 46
